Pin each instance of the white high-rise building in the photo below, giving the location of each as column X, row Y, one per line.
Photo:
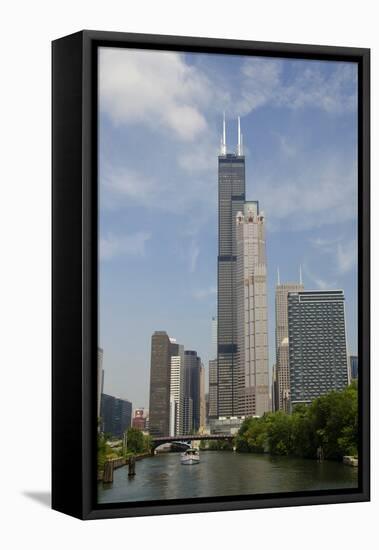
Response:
column 252, row 331
column 202, row 399
column 177, row 392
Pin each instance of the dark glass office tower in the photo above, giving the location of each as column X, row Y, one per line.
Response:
column 231, row 198
column 317, row 344
column 116, row 415
column 192, row 374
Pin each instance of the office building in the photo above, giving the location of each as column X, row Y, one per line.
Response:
column 231, row 199
column 274, row 389
column 251, row 300
column 317, row 344
column 139, row 421
column 203, row 415
column 176, row 390
column 116, row 415
column 282, row 375
column 187, row 415
column 162, row 349
column 213, row 388
column 212, row 373
column 353, row 359
column 192, row 388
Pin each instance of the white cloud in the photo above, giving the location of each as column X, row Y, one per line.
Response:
column 310, row 86
column 122, row 182
column 154, row 88
column 318, row 189
column 161, row 91
column 343, row 253
column 287, row 148
column 347, row 256
column 112, row 246
column 193, row 255
column 319, row 282
column 203, row 293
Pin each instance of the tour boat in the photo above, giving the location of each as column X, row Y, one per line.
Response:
column 190, row 456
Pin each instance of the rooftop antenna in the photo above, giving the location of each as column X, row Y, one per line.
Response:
column 239, row 146
column 278, row 277
column 223, row 139
column 301, row 275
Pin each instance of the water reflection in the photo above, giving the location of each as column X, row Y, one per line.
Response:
column 223, row 473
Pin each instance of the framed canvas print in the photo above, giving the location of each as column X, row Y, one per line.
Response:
column 210, row 274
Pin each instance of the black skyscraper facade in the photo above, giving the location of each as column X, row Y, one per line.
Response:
column 116, row 415
column 192, row 368
column 231, row 198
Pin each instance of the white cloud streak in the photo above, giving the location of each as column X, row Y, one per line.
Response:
column 347, row 254
column 263, row 84
column 193, row 255
column 113, row 246
column 202, row 293
column 343, row 253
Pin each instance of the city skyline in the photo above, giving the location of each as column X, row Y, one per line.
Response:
column 150, row 226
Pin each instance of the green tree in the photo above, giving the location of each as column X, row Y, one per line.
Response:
column 330, row 422
column 252, row 436
column 135, row 441
column 280, row 434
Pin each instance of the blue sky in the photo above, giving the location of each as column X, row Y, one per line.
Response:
column 160, row 127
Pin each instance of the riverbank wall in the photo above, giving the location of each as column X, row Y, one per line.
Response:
column 115, row 463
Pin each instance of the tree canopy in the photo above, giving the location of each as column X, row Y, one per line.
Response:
column 330, row 422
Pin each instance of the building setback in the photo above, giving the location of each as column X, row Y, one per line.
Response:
column 231, row 198
column 251, row 299
column 116, row 415
column 282, row 375
column 162, row 349
column 317, row 344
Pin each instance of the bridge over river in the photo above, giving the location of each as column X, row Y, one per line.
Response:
column 156, row 441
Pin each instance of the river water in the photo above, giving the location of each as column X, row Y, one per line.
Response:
column 223, row 473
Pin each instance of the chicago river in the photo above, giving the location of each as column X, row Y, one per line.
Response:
column 223, row 473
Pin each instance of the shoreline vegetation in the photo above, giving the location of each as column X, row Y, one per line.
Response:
column 136, row 445
column 325, row 429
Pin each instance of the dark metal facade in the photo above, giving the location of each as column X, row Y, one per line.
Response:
column 231, row 198
column 317, row 344
column 192, row 367
column 116, row 415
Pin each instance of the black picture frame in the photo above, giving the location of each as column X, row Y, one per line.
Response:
column 74, row 272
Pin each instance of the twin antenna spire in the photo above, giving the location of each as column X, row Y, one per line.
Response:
column 223, row 149
column 300, row 276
